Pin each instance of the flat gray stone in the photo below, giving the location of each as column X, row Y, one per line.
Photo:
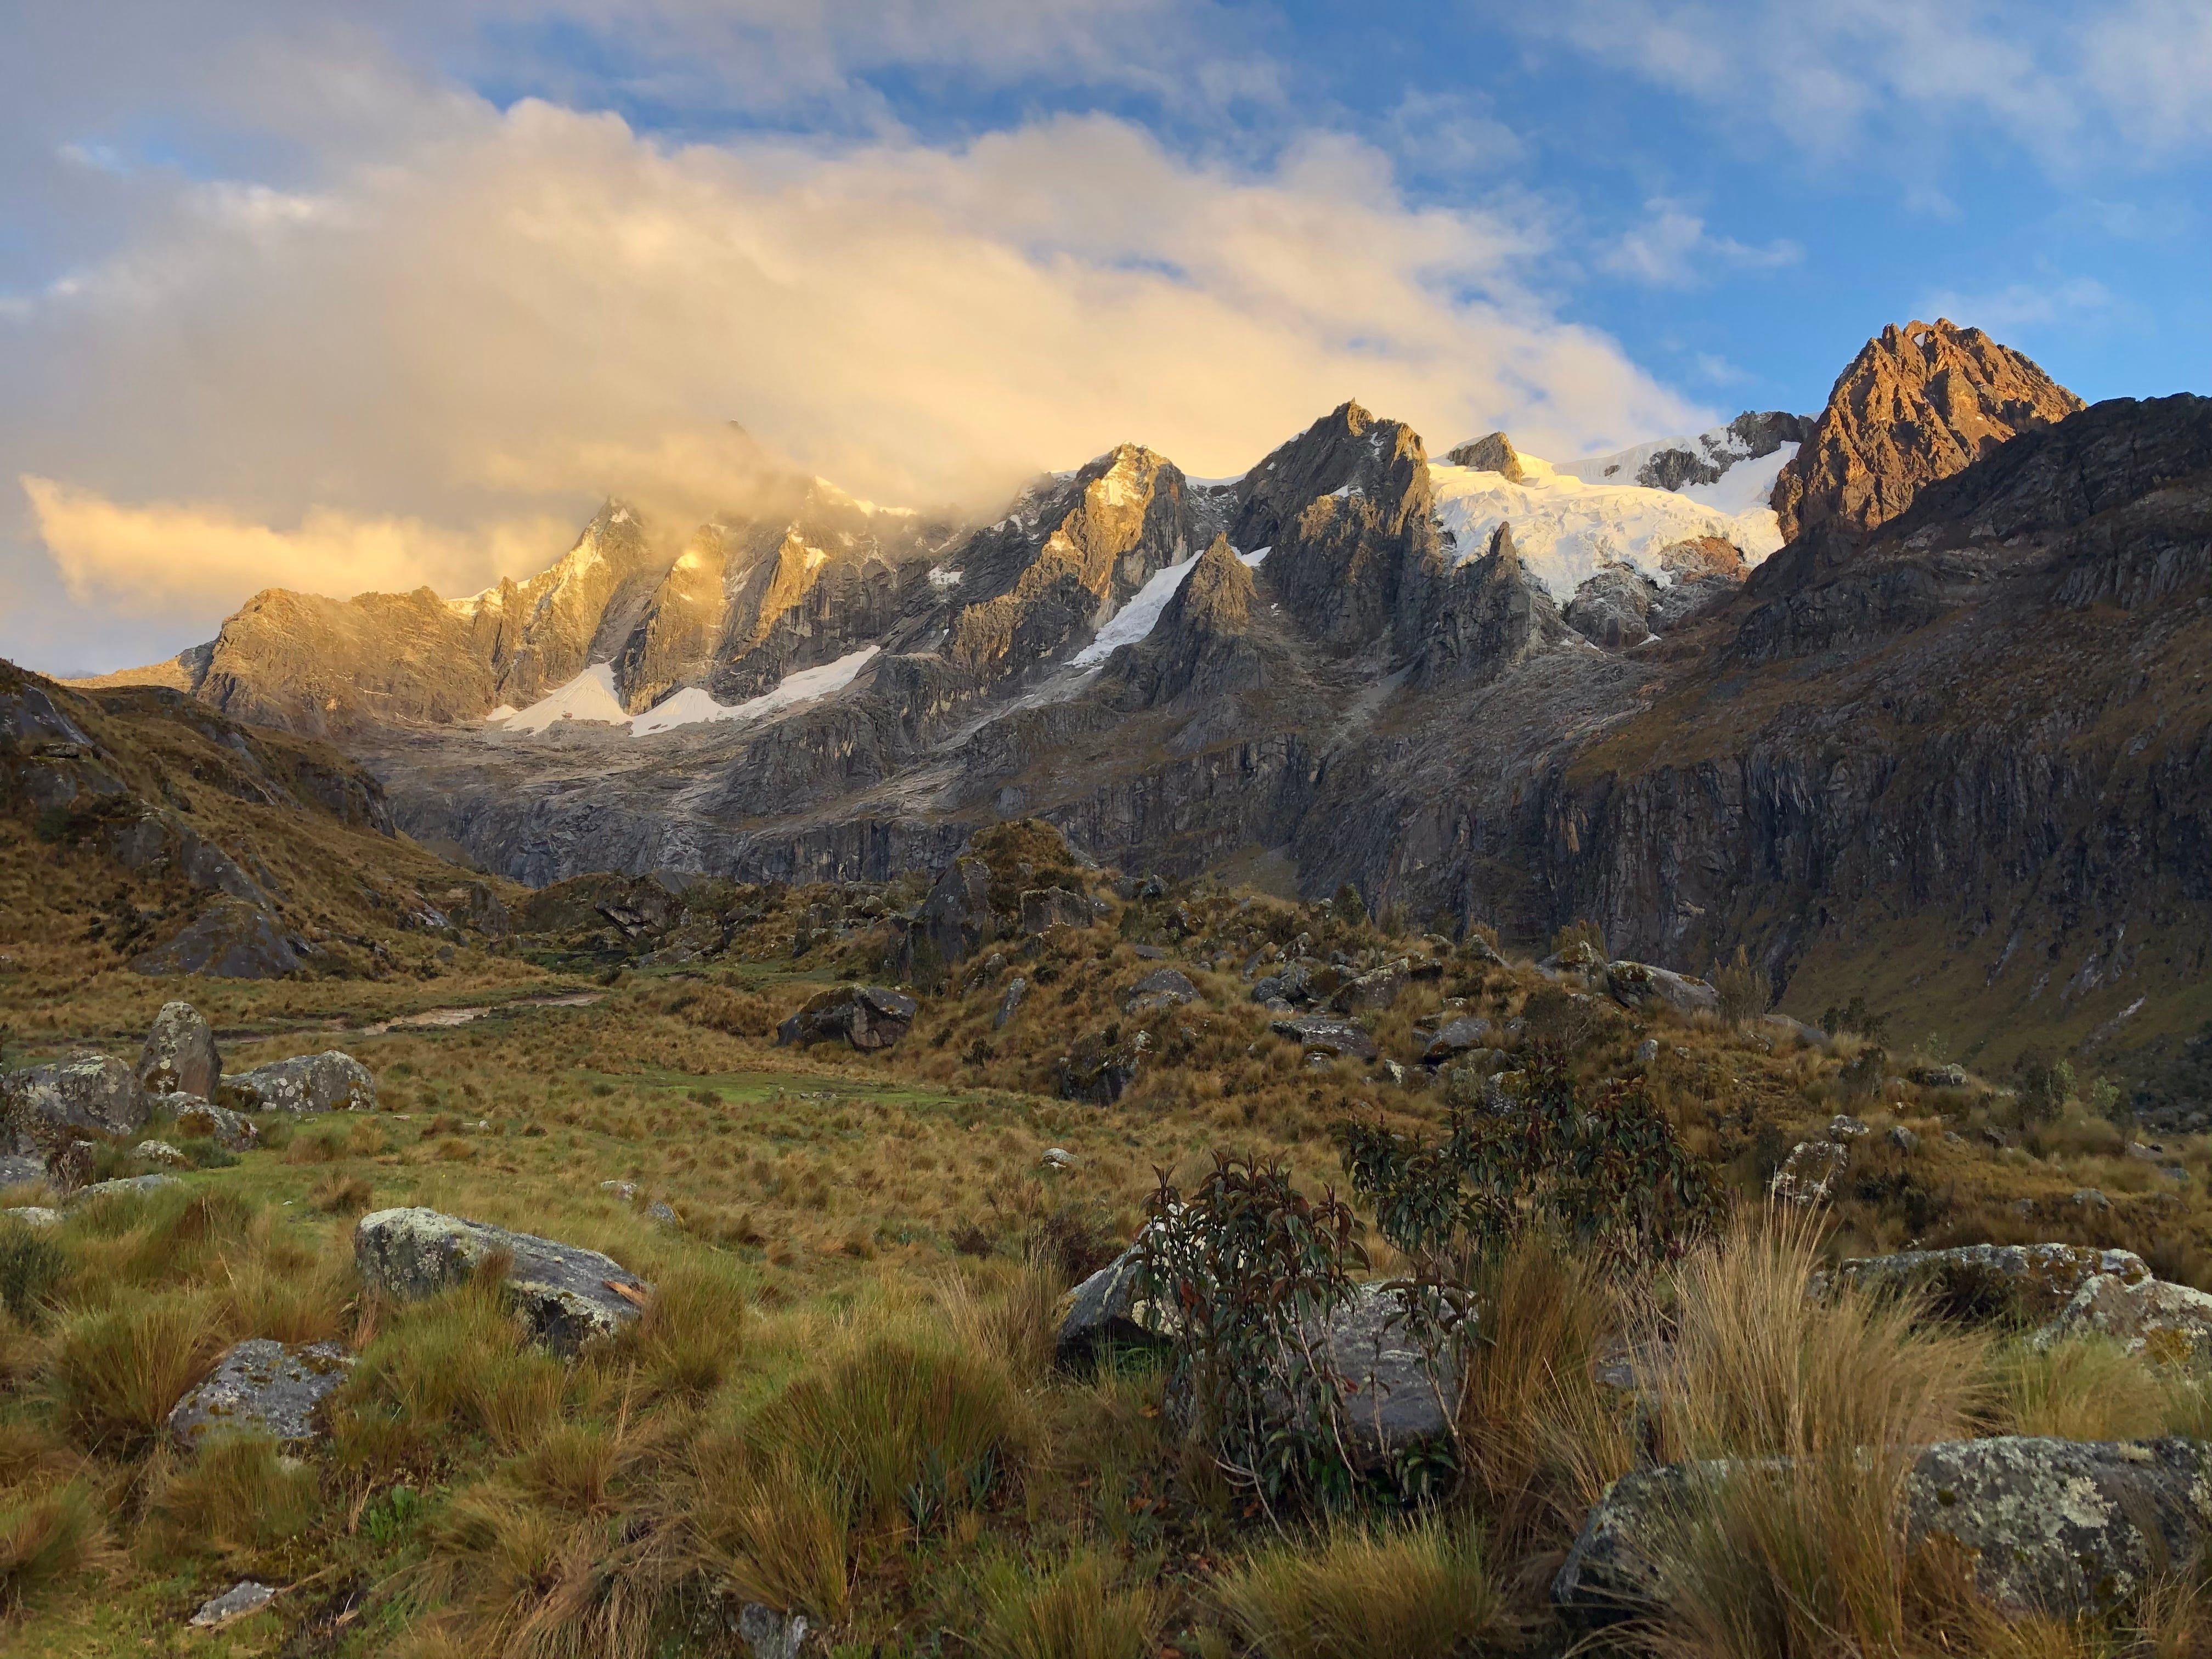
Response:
column 1321, row 1035
column 1638, row 984
column 1456, row 1036
column 1164, row 987
column 241, row 1599
column 262, row 1387
column 565, row 1295
column 126, row 1187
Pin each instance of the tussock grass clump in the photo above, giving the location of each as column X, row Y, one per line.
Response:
column 115, row 1372
column 770, row 1528
column 30, row 1267
column 2088, row 1389
column 47, row 1534
column 454, row 1365
column 1418, row 1592
column 1540, row 1436
column 1801, row 1418
column 342, row 1195
column 238, row 1500
column 691, row 1335
column 1077, row 1608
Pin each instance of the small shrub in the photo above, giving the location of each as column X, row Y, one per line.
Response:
column 1420, row 1593
column 1579, row 931
column 204, row 1153
column 1255, row 1270
column 1072, row 1610
column 1855, row 1019
column 1746, row 991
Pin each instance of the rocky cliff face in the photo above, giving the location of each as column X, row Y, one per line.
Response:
column 1957, row 723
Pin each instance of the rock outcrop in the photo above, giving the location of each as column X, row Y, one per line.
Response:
column 43, row 1106
column 564, row 1295
column 1990, row 1283
column 867, row 1017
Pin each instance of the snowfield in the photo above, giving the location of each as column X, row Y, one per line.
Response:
column 1567, row 528
column 1135, row 620
column 591, row 698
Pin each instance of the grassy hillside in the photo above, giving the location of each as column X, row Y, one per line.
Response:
column 842, row 1400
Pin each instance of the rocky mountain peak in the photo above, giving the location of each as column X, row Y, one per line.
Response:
column 1494, row 453
column 1201, row 645
column 1917, row 404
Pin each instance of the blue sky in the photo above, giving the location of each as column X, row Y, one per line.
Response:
column 296, row 297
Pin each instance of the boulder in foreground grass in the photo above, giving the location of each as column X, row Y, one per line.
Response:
column 91, row 1091
column 262, row 1387
column 2056, row 1526
column 2167, row 1324
column 328, row 1082
column 565, row 1295
column 179, row 1057
column 241, row 1601
column 1320, row 1034
column 1107, row 1310
column 1989, row 1283
column 1639, row 985
column 865, row 1016
column 126, row 1187
column 198, row 1119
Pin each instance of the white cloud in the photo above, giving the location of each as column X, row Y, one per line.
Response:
column 525, row 309
column 2077, row 87
column 1672, row 249
column 2022, row 305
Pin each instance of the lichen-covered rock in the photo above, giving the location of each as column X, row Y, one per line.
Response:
column 41, row 1107
column 1990, row 1283
column 1322, row 1035
column 262, row 1387
column 1011, row 1003
column 565, row 1295
column 32, row 1215
column 180, row 1057
column 20, row 1169
column 2060, row 1526
column 328, row 1082
column 198, row 1119
column 1807, row 1177
column 160, row 1151
column 867, row 1016
column 1164, row 987
column 2168, row 1324
column 1638, row 984
column 770, row 1634
column 1100, row 1065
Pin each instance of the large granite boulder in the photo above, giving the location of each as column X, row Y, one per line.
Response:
column 1639, row 985
column 2168, row 1324
column 865, row 1016
column 46, row 1105
column 1989, row 1283
column 179, row 1057
column 328, row 1082
column 2056, row 1526
column 1455, row 1037
column 262, row 1387
column 1320, row 1034
column 1400, row 1398
column 566, row 1296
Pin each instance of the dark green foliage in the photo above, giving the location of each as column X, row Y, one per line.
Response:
column 1580, row 931
column 1861, row 1078
column 2044, row 1086
column 1855, row 1017
column 1350, row 908
column 1746, row 991
column 1249, row 1271
column 1611, row 1174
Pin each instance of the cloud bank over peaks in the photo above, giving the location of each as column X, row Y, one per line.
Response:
column 403, row 371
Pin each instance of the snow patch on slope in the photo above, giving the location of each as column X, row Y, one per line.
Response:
column 1566, row 529
column 693, row 706
column 591, row 698
column 1135, row 619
